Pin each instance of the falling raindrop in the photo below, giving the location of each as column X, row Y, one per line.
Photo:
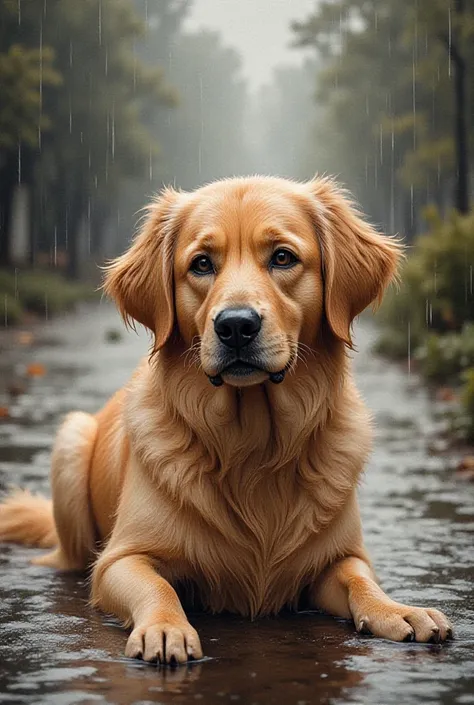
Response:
column 5, row 312
column 134, row 66
column 71, row 53
column 16, row 284
column 414, row 97
column 381, row 143
column 412, row 210
column 429, row 313
column 46, row 310
column 40, row 84
column 19, row 12
column 409, row 348
column 450, row 39
column 202, row 123
column 113, row 131
column 55, row 255
column 151, row 167
column 100, row 23
column 470, row 279
column 19, row 161
column 89, row 226
column 392, row 182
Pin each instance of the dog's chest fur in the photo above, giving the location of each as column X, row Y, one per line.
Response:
column 244, row 500
column 259, row 552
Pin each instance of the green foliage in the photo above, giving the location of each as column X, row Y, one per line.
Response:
column 45, row 292
column 11, row 311
column 74, row 96
column 386, row 89
column 39, row 292
column 443, row 358
column 20, row 73
column 437, row 281
column 433, row 313
column 467, row 399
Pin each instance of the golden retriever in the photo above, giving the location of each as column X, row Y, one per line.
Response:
column 227, row 469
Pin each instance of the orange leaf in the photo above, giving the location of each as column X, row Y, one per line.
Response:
column 36, row 370
column 24, row 337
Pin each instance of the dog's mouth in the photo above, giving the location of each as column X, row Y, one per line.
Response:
column 240, row 369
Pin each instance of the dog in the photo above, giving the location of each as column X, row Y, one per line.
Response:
column 227, row 469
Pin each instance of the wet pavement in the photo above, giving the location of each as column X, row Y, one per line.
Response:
column 419, row 527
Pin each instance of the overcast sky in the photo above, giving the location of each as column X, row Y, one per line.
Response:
column 259, row 29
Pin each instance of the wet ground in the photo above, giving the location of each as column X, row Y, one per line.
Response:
column 419, row 525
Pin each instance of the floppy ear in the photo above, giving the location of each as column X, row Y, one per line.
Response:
column 358, row 262
column 141, row 280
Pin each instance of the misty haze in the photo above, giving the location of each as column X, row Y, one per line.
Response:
column 103, row 104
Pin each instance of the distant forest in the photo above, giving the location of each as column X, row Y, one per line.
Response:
column 104, row 101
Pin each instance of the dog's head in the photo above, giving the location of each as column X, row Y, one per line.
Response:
column 249, row 271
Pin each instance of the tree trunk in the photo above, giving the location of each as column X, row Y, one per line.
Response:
column 76, row 210
column 461, row 197
column 8, row 179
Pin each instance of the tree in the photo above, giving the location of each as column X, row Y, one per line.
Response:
column 456, row 34
column 390, row 108
column 96, row 136
column 284, row 121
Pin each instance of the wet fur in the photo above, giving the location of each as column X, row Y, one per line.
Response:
column 246, row 497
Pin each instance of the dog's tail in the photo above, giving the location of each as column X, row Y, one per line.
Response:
column 27, row 519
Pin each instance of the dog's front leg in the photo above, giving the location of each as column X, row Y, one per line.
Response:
column 348, row 589
column 130, row 588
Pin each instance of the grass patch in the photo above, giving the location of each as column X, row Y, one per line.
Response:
column 38, row 292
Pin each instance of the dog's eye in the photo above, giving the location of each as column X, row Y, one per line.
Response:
column 284, row 259
column 202, row 265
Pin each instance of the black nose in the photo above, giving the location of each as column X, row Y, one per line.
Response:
column 237, row 327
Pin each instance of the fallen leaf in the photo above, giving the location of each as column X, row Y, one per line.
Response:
column 16, row 388
column 4, row 412
column 467, row 463
column 35, row 369
column 466, row 475
column 24, row 337
column 445, row 394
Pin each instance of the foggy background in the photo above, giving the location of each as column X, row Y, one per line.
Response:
column 104, row 101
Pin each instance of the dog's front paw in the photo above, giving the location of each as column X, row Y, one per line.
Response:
column 164, row 642
column 398, row 622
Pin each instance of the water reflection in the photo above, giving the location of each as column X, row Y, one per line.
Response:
column 418, row 520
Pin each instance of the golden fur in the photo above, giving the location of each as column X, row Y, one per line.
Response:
column 245, row 496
